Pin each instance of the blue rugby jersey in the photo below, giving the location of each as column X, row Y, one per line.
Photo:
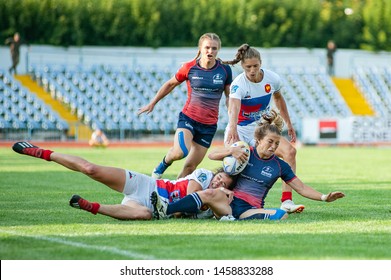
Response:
column 205, row 88
column 255, row 181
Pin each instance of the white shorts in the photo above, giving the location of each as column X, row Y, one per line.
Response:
column 138, row 188
column 246, row 133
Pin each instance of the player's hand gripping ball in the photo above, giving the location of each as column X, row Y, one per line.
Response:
column 233, row 166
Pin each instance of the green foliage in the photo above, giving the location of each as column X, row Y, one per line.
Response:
column 37, row 222
column 377, row 28
column 176, row 23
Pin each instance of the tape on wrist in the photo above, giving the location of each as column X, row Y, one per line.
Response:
column 324, row 197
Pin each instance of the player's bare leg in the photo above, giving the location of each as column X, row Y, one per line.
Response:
column 112, row 177
column 217, row 200
column 128, row 211
column 195, row 157
column 182, row 146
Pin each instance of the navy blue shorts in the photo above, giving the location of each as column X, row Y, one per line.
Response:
column 239, row 206
column 202, row 133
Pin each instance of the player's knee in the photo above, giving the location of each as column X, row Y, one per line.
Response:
column 89, row 169
column 207, row 195
column 291, row 152
column 210, row 195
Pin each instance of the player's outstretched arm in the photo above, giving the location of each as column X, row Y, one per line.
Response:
column 313, row 194
column 166, row 88
column 334, row 196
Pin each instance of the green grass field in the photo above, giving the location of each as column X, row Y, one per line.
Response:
column 37, row 222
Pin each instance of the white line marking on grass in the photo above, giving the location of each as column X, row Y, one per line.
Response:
column 83, row 245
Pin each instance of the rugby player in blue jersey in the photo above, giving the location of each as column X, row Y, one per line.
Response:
column 206, row 78
column 247, row 199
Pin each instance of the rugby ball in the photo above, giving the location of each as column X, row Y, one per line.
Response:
column 231, row 165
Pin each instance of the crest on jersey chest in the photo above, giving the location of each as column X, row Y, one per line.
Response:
column 218, row 79
column 268, row 88
column 267, row 171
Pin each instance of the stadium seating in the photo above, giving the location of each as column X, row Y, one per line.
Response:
column 310, row 92
column 109, row 97
column 21, row 109
column 375, row 84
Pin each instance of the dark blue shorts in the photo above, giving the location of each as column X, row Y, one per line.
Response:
column 239, row 206
column 202, row 133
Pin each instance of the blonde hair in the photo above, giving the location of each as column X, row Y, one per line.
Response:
column 271, row 122
column 211, row 36
column 244, row 52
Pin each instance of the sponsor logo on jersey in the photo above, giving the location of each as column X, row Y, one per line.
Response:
column 268, row 88
column 247, row 96
column 234, row 88
column 251, row 178
column 218, row 79
column 197, row 78
column 205, row 89
column 202, row 177
column 267, row 171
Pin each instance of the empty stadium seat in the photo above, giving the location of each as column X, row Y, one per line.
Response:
column 20, row 108
column 109, row 98
column 375, row 84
